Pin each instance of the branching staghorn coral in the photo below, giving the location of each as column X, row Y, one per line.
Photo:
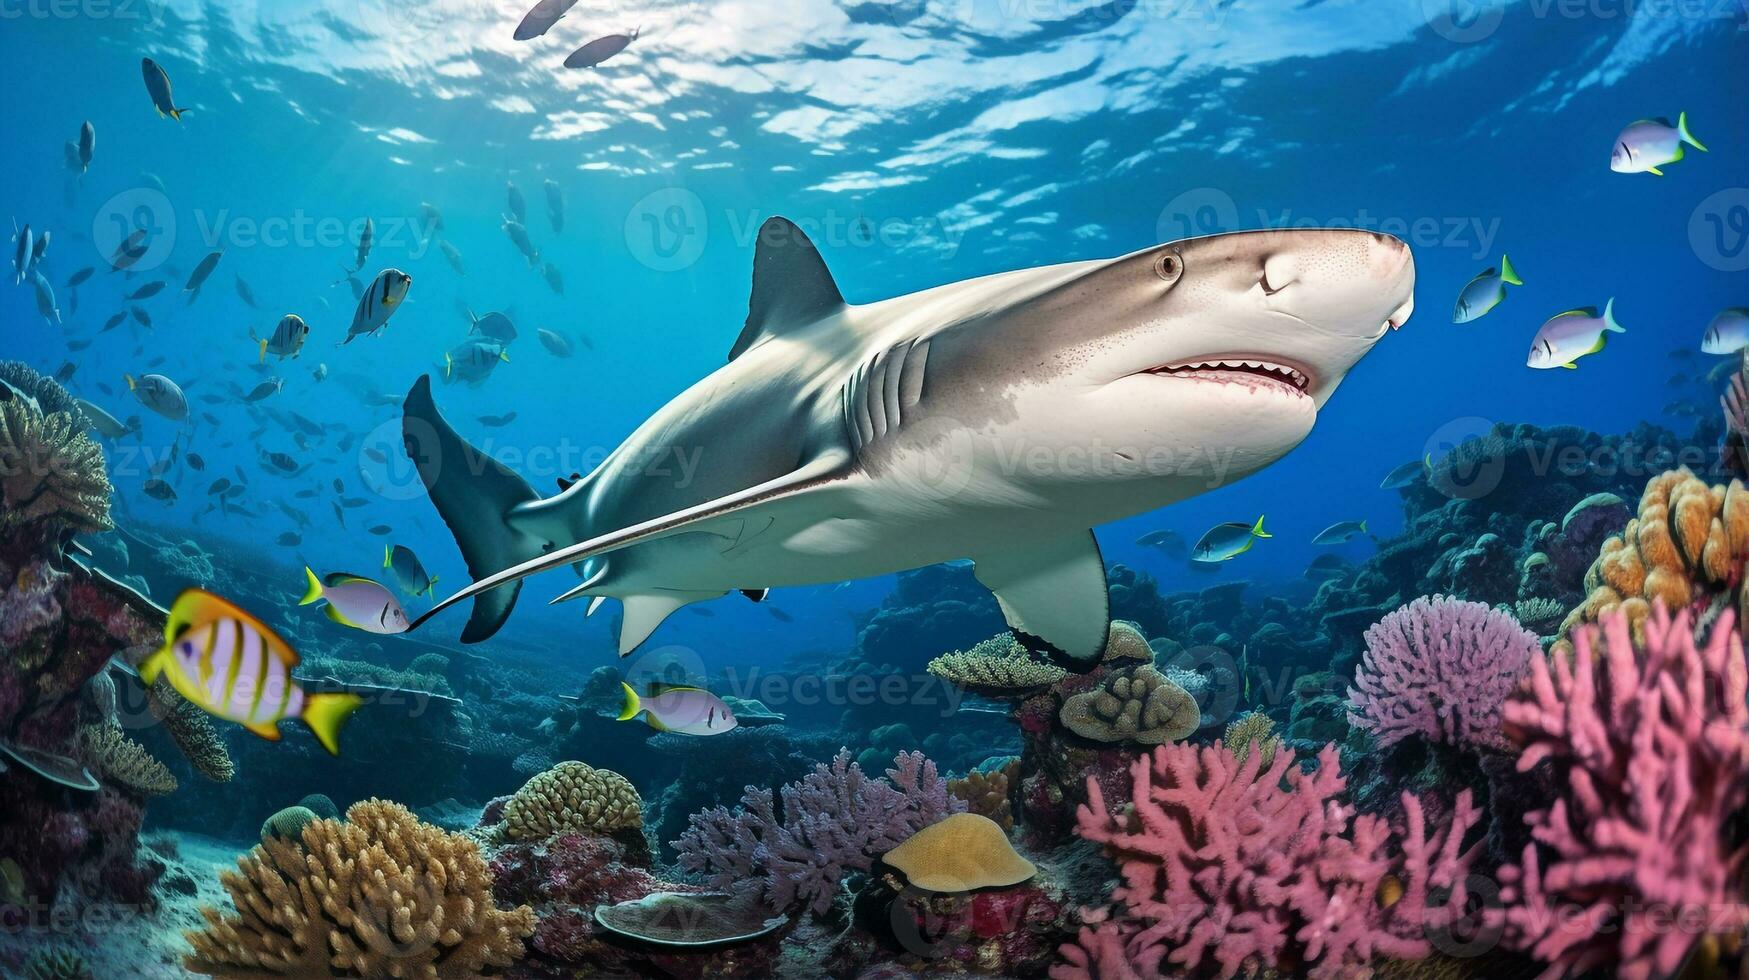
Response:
column 1539, row 614
column 125, row 762
column 572, row 796
column 376, row 895
column 1687, row 544
column 998, row 667
column 50, row 467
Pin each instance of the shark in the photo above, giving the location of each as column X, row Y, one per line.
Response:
column 997, row 420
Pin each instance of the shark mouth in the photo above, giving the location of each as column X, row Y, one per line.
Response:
column 1251, row 373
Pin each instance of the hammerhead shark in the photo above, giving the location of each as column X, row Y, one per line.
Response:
column 997, row 419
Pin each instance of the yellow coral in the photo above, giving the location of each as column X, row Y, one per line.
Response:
column 50, row 467
column 1126, row 642
column 572, row 796
column 996, row 666
column 123, row 761
column 379, row 894
column 1255, row 728
column 960, row 853
column 1138, row 704
column 986, row 793
column 1682, row 546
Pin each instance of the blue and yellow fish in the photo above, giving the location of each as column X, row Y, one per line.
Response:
column 233, row 666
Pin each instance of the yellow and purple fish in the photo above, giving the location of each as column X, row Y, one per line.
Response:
column 356, row 601
column 687, row 710
column 236, row 668
column 1568, row 336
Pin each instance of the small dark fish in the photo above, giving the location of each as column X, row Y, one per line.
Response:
column 376, row 455
column 264, row 389
column 280, row 461
column 779, row 614
column 518, row 205
column 496, row 421
column 339, row 487
column 80, row 276
column 381, row 529
column 158, row 87
column 555, row 279
column 141, row 317
column 211, row 419
column 339, row 515
column 290, row 538
column 541, row 18
column 65, row 374
column 78, row 345
column 132, row 249
column 247, row 294
column 304, row 494
column 87, row 145
column 148, row 291
column 364, row 240
column 235, row 491
column 113, row 322
column 159, row 490
column 197, row 278
column 600, row 49
column 195, row 462
column 350, row 502
column 219, row 485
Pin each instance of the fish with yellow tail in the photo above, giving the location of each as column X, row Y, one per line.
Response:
column 356, row 601
column 675, row 708
column 236, row 668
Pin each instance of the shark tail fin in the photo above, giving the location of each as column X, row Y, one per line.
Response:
column 1688, row 137
column 474, row 494
column 1507, row 272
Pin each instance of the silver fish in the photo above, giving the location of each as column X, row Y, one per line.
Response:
column 554, row 342
column 541, row 18
column 453, row 256
column 287, row 338
column 1485, row 292
column 473, row 362
column 1728, row 332
column 518, row 205
column 1568, row 336
column 1341, row 532
column 87, row 145
column 555, row 204
column 686, row 710
column 1647, row 144
column 159, row 394
column 600, row 49
column 409, row 573
column 379, row 302
column 356, row 601
column 495, row 326
column 1224, row 541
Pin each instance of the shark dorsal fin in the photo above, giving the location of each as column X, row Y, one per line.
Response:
column 791, row 284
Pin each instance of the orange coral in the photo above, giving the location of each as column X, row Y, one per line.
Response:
column 1683, row 546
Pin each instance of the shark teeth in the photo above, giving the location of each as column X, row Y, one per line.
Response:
column 1265, row 369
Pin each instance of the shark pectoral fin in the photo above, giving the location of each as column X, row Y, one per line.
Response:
column 1053, row 590
column 643, row 613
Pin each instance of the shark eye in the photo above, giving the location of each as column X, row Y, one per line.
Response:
column 1169, row 266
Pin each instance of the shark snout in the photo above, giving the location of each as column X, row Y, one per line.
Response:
column 1346, row 282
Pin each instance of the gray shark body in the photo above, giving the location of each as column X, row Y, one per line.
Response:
column 997, row 419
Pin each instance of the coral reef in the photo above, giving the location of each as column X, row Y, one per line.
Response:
column 1133, row 704
column 57, row 963
column 1252, row 730
column 986, row 793
column 194, row 733
column 1439, row 668
column 288, row 823
column 834, row 821
column 684, row 919
column 996, row 667
column 1640, row 855
column 123, row 761
column 1687, row 544
column 378, row 894
column 51, row 470
column 572, row 796
column 961, row 852
column 1229, row 867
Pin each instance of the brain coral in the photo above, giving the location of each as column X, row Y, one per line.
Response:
column 572, row 796
column 1136, row 704
column 997, row 666
column 376, row 895
column 1685, row 545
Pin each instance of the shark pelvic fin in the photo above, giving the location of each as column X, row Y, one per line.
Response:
column 1053, row 590
column 791, row 285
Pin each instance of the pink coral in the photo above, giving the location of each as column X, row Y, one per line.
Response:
column 1228, row 866
column 1439, row 668
column 835, row 820
column 1636, row 858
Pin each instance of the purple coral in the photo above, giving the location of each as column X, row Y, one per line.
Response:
column 1637, row 858
column 835, row 820
column 1439, row 668
column 1227, row 866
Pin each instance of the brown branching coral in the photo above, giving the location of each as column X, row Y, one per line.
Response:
column 986, row 793
column 1685, row 545
column 125, row 762
column 997, row 667
column 376, row 895
column 572, row 796
column 193, row 733
column 1136, row 704
column 50, row 467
